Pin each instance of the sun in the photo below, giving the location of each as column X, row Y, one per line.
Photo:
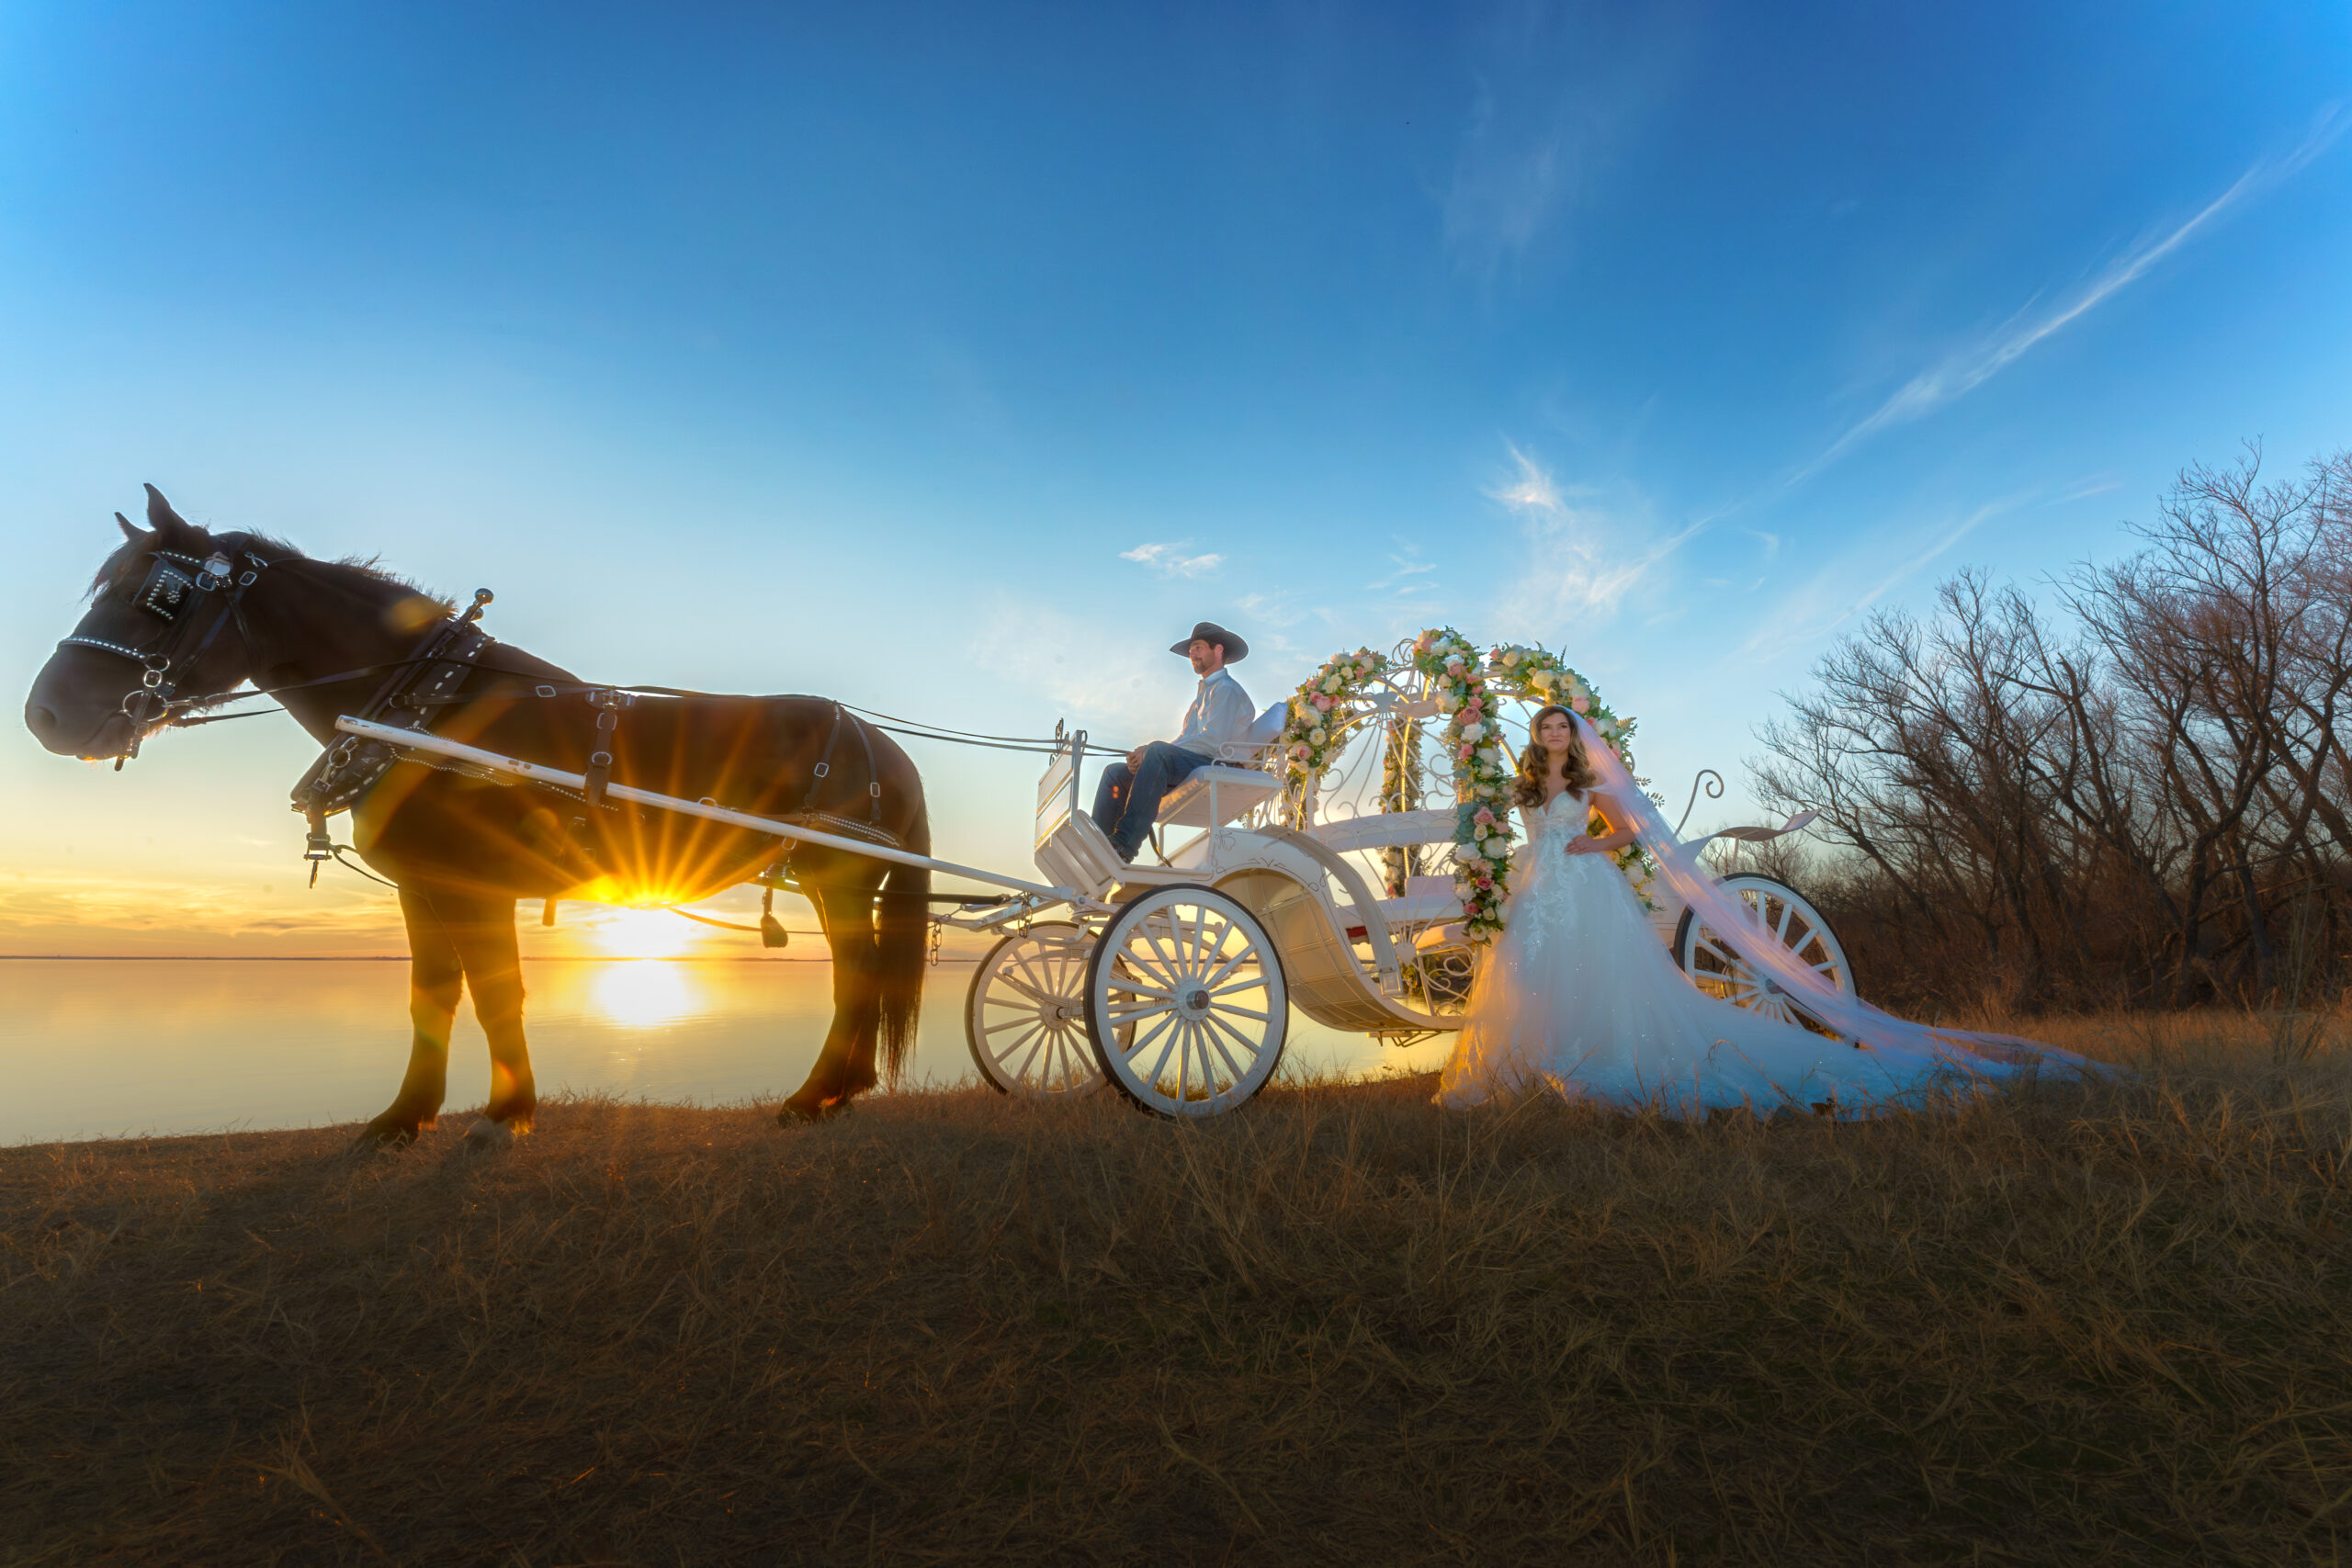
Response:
column 643, row 933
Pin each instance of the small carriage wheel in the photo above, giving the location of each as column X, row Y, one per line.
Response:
column 1186, row 1001
column 1789, row 916
column 1025, row 1017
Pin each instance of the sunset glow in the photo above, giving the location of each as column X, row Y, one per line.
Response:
column 645, row 995
column 642, row 933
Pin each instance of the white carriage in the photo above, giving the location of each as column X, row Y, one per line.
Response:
column 1171, row 978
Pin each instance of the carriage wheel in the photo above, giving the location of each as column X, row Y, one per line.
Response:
column 1719, row 971
column 1025, row 1016
column 1185, row 1001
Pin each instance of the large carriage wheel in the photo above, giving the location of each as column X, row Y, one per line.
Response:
column 1185, row 1000
column 1717, row 969
column 1025, row 1016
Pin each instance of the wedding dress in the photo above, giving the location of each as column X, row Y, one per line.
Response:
column 1581, row 994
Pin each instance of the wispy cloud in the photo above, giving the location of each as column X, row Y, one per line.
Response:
column 1576, row 560
column 1094, row 670
column 1961, row 373
column 1556, row 90
column 1271, row 609
column 1816, row 611
column 1409, row 575
column 1168, row 560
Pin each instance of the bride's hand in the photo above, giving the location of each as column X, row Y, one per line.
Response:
column 1583, row 844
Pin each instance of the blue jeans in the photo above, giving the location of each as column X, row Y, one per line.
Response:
column 1127, row 799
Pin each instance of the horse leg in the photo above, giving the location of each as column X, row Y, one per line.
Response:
column 847, row 915
column 483, row 928
column 436, row 980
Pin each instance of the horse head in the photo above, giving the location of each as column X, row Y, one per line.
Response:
column 153, row 641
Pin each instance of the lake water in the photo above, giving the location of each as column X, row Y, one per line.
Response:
column 103, row 1047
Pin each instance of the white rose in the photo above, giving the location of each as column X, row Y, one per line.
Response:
column 1472, row 730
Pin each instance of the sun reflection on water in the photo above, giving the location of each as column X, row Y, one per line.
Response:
column 645, row 993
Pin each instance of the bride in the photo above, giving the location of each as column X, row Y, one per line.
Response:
column 1580, row 995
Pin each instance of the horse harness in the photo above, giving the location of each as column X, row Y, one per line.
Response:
column 433, row 677
column 429, row 679
column 177, row 591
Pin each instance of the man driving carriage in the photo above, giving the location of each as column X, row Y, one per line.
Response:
column 1127, row 798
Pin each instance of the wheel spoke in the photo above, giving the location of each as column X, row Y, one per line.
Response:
column 1134, row 987
column 1031, row 966
column 1222, row 970
column 1254, row 1048
column 1248, row 1014
column 1139, row 1041
column 1171, row 968
column 1012, row 982
column 1729, row 959
column 1151, row 1079
column 1036, row 1041
column 1258, row 984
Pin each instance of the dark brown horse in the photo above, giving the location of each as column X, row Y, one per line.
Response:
column 323, row 638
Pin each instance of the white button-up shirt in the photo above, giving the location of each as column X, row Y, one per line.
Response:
column 1221, row 711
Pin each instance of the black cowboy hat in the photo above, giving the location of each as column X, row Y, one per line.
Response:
column 1209, row 631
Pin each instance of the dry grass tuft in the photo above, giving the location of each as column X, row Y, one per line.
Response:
column 2076, row 1323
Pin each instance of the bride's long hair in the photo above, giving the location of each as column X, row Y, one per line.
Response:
column 1535, row 761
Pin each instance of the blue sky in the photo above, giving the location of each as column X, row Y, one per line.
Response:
column 952, row 360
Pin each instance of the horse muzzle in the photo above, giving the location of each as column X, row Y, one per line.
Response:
column 77, row 724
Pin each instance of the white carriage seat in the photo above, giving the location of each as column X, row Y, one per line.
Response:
column 1240, row 772
column 1078, row 853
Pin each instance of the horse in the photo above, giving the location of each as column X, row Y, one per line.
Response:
column 323, row 638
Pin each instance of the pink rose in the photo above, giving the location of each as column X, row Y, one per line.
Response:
column 1582, row 705
column 1463, row 755
column 1484, row 816
column 1323, row 703
column 1486, row 882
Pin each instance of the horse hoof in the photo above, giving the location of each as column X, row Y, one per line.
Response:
column 376, row 1139
column 801, row 1116
column 486, row 1136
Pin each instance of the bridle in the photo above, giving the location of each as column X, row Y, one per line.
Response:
column 175, row 593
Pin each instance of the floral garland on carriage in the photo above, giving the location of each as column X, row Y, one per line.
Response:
column 1466, row 686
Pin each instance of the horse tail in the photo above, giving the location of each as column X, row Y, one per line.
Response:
column 905, row 934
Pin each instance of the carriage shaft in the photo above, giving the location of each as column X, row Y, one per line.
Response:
column 418, row 740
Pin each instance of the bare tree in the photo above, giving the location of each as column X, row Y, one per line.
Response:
column 2114, row 807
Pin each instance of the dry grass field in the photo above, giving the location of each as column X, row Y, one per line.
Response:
column 2071, row 1325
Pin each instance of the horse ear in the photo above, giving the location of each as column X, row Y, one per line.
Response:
column 166, row 522
column 130, row 530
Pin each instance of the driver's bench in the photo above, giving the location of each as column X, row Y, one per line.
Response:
column 1074, row 851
